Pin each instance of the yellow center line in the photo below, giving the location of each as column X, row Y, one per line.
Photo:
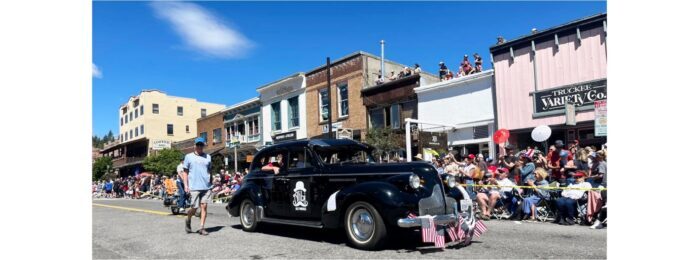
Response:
column 162, row 213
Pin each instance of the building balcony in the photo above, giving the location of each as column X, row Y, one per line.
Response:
column 249, row 138
column 127, row 161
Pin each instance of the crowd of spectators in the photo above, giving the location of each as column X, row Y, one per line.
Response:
column 158, row 186
column 574, row 169
column 465, row 68
column 402, row 74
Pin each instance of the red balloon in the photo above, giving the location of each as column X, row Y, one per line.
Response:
column 501, row 136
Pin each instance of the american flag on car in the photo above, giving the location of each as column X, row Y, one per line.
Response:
column 479, row 229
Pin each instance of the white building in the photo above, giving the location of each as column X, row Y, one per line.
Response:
column 284, row 109
column 466, row 103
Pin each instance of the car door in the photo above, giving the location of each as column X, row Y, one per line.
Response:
column 303, row 191
column 278, row 190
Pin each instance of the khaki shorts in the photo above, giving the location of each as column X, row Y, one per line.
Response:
column 200, row 196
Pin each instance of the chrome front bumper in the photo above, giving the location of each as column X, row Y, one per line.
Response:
column 438, row 220
column 466, row 212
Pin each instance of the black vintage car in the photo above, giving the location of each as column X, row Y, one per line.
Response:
column 336, row 184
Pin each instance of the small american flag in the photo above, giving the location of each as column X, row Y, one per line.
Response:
column 456, row 231
column 428, row 230
column 452, row 232
column 479, row 229
column 461, row 233
column 439, row 238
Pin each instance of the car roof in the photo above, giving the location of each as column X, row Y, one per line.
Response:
column 313, row 142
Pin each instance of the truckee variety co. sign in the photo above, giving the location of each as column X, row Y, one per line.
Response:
column 582, row 95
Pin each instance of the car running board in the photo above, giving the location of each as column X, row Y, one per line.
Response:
column 303, row 223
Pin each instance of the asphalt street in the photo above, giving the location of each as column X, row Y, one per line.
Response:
column 145, row 229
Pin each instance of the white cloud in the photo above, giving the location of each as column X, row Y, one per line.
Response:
column 202, row 30
column 96, row 72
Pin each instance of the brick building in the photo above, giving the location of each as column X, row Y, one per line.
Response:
column 348, row 76
column 390, row 103
column 211, row 129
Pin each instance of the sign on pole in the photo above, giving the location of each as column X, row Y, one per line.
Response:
column 570, row 113
column 601, row 118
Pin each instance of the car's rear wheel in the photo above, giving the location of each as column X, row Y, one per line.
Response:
column 247, row 216
column 175, row 210
column 364, row 226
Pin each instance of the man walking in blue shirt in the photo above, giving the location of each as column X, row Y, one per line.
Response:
column 197, row 182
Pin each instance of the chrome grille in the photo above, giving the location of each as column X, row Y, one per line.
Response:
column 434, row 204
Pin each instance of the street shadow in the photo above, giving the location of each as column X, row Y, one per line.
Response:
column 399, row 240
column 311, row 234
column 213, row 229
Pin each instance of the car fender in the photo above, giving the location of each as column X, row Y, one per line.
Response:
column 248, row 191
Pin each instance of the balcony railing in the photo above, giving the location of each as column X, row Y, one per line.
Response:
column 127, row 160
column 248, row 138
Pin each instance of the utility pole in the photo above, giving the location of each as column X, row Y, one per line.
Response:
column 330, row 106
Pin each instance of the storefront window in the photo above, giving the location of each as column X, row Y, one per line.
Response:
column 217, row 135
column 293, row 112
column 376, row 118
column 324, row 104
column 276, row 117
column 343, row 101
column 395, row 116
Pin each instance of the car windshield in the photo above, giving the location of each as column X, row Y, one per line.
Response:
column 344, row 154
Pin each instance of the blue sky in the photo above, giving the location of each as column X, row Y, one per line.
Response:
column 221, row 52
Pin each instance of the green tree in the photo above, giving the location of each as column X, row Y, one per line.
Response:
column 217, row 163
column 163, row 162
column 100, row 167
column 383, row 140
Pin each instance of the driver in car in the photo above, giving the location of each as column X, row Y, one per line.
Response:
column 275, row 165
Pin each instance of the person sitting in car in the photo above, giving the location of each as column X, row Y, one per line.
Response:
column 275, row 165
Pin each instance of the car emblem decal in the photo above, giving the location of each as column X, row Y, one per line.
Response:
column 299, row 201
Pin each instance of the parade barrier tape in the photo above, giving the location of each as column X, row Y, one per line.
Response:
column 531, row 187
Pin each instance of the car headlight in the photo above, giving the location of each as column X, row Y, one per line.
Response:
column 451, row 181
column 414, row 181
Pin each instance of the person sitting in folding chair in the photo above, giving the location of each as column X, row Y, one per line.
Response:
column 568, row 202
column 535, row 194
column 487, row 198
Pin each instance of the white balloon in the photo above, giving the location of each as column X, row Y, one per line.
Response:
column 541, row 133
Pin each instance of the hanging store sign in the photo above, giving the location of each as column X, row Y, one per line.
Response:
column 583, row 95
column 284, row 137
column 434, row 140
column 161, row 144
column 601, row 118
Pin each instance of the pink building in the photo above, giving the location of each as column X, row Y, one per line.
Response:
column 535, row 75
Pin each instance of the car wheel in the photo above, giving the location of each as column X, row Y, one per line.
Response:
column 247, row 216
column 175, row 210
column 364, row 226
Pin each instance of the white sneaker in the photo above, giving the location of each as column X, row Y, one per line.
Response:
column 597, row 225
column 181, row 210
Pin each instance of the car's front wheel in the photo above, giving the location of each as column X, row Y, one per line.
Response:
column 364, row 226
column 247, row 216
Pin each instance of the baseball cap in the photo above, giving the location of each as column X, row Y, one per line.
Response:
column 471, row 156
column 503, row 170
column 559, row 143
column 579, row 174
column 199, row 140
